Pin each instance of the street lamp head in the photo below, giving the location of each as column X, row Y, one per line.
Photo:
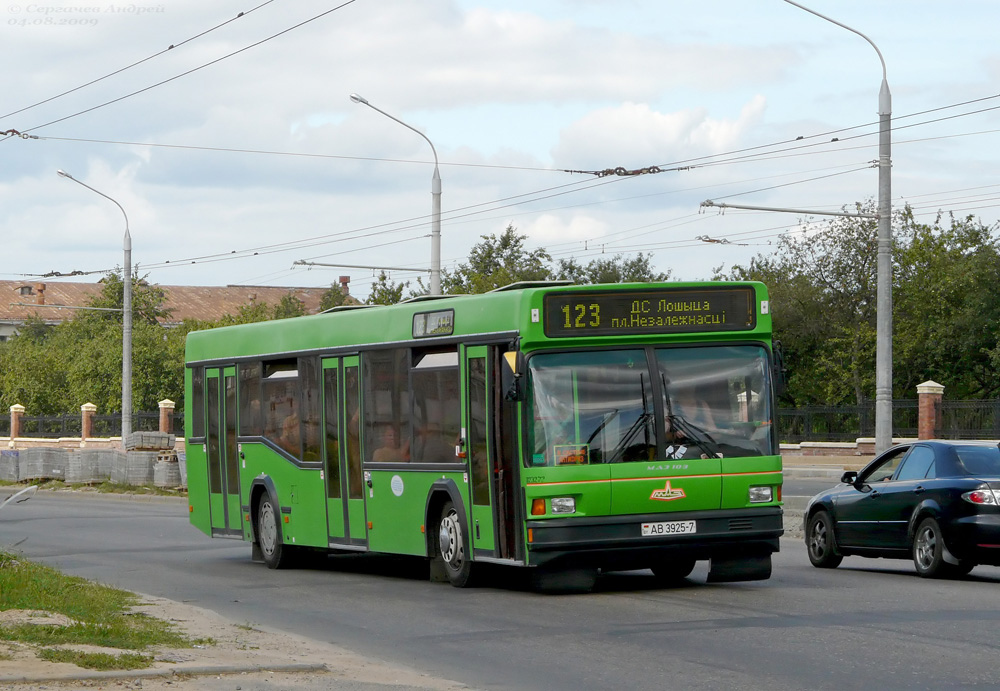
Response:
column 359, row 99
column 63, row 174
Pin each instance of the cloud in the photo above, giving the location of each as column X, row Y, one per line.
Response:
column 634, row 135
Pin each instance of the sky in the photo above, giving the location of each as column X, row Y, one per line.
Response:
column 225, row 130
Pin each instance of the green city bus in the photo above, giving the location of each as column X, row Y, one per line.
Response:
column 568, row 429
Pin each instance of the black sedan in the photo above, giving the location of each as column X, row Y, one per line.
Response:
column 937, row 502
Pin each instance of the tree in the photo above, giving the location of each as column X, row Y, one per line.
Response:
column 617, row 269
column 946, row 307
column 289, row 306
column 147, row 300
column 334, row 296
column 385, row 291
column 495, row 262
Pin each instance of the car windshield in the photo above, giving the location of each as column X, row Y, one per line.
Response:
column 611, row 406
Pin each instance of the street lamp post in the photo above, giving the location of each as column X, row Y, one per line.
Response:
column 883, row 304
column 435, row 200
column 126, row 316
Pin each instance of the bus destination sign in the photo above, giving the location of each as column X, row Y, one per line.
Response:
column 655, row 310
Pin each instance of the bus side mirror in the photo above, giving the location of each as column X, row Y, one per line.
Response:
column 510, row 375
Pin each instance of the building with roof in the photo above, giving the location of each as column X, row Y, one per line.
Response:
column 54, row 303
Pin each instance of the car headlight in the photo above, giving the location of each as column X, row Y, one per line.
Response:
column 563, row 505
column 761, row 494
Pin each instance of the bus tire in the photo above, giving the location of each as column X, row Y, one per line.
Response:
column 453, row 547
column 276, row 555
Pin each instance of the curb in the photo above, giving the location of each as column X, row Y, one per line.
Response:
column 156, row 673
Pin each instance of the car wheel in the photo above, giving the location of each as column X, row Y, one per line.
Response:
column 821, row 543
column 928, row 552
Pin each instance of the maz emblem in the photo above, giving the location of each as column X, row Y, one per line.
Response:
column 668, row 493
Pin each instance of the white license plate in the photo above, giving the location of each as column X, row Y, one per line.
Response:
column 668, row 528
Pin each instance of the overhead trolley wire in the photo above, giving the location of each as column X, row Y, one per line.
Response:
column 191, row 71
column 172, row 46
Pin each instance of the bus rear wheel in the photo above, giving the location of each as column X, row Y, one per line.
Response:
column 276, row 555
column 453, row 547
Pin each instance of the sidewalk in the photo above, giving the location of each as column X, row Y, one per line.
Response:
column 245, row 656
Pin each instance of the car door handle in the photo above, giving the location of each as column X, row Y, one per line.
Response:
column 919, row 489
column 874, row 493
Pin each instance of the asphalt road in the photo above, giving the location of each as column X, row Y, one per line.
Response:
column 870, row 624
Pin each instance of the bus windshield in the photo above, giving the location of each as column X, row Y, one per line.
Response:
column 612, row 406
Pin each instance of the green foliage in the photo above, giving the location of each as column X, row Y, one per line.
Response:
column 334, row 296
column 946, row 308
column 147, row 300
column 101, row 661
column 99, row 615
column 495, row 262
column 385, row 291
column 289, row 306
column 617, row 269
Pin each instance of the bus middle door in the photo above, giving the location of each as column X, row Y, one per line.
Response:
column 223, row 453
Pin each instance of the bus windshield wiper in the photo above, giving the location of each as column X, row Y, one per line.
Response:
column 622, row 445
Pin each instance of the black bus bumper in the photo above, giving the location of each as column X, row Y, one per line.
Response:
column 616, row 543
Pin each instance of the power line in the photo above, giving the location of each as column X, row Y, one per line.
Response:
column 172, row 46
column 195, row 69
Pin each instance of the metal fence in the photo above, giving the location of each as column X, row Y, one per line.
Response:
column 57, row 426
column 960, row 420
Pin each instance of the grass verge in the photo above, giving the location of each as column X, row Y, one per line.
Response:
column 98, row 615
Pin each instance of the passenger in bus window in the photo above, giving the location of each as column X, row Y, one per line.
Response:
column 290, row 440
column 391, row 450
column 694, row 409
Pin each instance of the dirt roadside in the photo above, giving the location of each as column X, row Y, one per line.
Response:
column 244, row 657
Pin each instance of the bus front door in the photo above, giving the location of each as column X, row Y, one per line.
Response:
column 223, row 453
column 490, row 477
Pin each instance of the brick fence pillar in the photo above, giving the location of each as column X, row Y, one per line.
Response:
column 166, row 415
column 16, row 413
column 929, row 395
column 87, row 412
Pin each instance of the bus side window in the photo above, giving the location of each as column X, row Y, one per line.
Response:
column 386, row 401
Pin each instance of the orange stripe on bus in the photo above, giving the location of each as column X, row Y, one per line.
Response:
column 658, row 478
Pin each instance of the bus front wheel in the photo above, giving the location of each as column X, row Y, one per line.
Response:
column 453, row 547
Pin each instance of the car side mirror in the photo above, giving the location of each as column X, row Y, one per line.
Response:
column 850, row 477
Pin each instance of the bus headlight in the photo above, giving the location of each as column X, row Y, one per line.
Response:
column 761, row 494
column 563, row 505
